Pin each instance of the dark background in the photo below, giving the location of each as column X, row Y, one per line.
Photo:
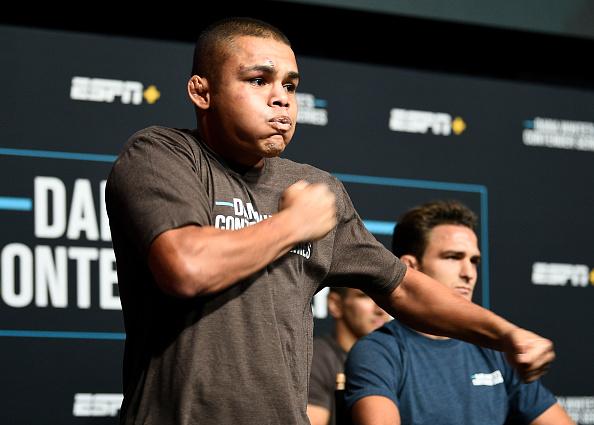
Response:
column 356, row 35
column 535, row 204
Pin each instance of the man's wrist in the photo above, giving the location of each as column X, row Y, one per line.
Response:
column 505, row 335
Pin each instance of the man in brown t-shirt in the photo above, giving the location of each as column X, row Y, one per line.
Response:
column 221, row 245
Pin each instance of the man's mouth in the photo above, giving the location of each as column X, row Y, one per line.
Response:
column 462, row 290
column 281, row 123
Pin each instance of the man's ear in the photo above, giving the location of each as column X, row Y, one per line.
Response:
column 335, row 305
column 410, row 261
column 199, row 92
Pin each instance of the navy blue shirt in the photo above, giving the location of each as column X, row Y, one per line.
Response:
column 444, row 381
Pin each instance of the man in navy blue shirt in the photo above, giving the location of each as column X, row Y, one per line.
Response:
column 400, row 376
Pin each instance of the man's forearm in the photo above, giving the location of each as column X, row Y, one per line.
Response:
column 195, row 260
column 428, row 306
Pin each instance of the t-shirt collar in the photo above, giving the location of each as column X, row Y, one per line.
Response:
column 251, row 175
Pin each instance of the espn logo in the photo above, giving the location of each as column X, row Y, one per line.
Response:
column 106, row 90
column 86, row 405
column 558, row 274
column 411, row 121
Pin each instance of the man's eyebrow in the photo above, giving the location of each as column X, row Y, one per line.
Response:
column 454, row 252
column 268, row 69
column 451, row 251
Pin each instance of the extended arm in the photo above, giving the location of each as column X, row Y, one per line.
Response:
column 428, row 306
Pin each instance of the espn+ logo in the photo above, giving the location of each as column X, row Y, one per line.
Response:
column 423, row 122
column 96, row 405
column 560, row 274
column 108, row 90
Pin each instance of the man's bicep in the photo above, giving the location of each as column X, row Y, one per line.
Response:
column 153, row 188
column 373, row 368
column 375, row 410
column 172, row 256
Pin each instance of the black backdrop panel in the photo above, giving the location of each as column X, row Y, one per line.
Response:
column 519, row 155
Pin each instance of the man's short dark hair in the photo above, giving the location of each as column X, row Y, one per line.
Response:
column 210, row 51
column 412, row 231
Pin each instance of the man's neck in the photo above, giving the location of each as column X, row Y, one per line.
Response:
column 230, row 156
column 344, row 336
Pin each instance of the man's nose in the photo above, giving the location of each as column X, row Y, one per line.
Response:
column 468, row 271
column 279, row 96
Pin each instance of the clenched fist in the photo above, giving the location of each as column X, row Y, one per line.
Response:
column 310, row 208
column 529, row 353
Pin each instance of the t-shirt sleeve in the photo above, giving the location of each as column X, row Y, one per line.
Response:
column 154, row 186
column 358, row 259
column 372, row 369
column 321, row 381
column 526, row 401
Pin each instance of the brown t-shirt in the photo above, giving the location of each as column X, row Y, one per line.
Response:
column 240, row 356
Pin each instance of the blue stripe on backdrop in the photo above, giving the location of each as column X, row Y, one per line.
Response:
column 378, row 227
column 32, row 153
column 60, row 334
column 16, row 204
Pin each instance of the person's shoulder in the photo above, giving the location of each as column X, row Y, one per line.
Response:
column 161, row 142
column 390, row 329
column 293, row 171
column 160, row 134
column 382, row 346
column 323, row 340
column 302, row 171
column 388, row 335
column 154, row 131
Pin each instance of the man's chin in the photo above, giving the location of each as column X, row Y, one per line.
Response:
column 468, row 296
column 273, row 148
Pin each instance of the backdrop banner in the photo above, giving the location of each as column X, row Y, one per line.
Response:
column 520, row 155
